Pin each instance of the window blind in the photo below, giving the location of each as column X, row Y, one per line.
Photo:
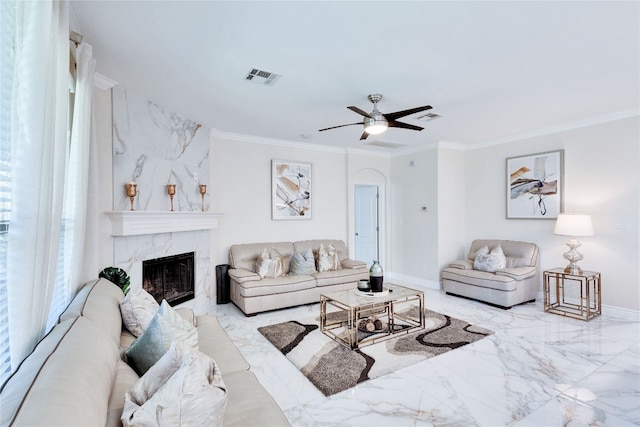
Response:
column 7, row 19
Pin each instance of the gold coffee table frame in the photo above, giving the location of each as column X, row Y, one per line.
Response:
column 348, row 308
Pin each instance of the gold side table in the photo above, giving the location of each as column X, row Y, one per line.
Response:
column 589, row 304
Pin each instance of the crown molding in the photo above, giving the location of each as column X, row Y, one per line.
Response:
column 102, row 82
column 215, row 133
column 577, row 124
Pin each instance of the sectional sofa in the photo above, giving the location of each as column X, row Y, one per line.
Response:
column 254, row 294
column 76, row 375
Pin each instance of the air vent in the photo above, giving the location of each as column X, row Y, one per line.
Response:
column 428, row 117
column 267, row 78
column 385, row 144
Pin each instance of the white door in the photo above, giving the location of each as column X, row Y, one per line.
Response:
column 366, row 223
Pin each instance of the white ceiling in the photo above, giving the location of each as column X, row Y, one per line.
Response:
column 491, row 69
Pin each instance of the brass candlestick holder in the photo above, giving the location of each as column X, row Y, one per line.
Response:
column 132, row 191
column 171, row 191
column 203, row 191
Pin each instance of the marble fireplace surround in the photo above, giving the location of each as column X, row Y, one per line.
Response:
column 143, row 235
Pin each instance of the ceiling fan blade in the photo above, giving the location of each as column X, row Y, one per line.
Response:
column 396, row 124
column 398, row 114
column 340, row 126
column 364, row 136
column 359, row 111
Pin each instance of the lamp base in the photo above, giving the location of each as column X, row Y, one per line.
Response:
column 573, row 269
column 573, row 256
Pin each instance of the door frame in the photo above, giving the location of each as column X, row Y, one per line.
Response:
column 382, row 208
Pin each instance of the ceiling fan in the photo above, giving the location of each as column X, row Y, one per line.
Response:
column 376, row 122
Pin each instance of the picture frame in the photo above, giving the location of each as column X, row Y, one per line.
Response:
column 534, row 185
column 291, row 190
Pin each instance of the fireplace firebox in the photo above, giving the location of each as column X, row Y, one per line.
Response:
column 170, row 278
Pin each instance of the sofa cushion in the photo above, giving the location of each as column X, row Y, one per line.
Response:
column 184, row 387
column 137, row 310
column 244, row 255
column 490, row 261
column 99, row 301
column 269, row 264
column 59, row 383
column 280, row 285
column 246, row 398
column 125, row 378
column 214, row 341
column 328, row 258
column 165, row 326
column 302, row 263
column 480, row 278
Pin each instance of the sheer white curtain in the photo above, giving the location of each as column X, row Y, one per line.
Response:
column 38, row 161
column 82, row 201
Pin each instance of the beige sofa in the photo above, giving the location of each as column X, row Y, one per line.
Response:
column 253, row 294
column 76, row 376
column 517, row 283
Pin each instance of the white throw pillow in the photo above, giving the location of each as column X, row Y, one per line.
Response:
column 138, row 308
column 270, row 264
column 302, row 263
column 154, row 342
column 490, row 261
column 184, row 388
column 328, row 259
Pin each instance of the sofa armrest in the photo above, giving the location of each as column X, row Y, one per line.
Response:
column 462, row 264
column 518, row 273
column 187, row 314
column 241, row 275
column 352, row 263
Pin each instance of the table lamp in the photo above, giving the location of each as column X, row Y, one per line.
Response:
column 573, row 224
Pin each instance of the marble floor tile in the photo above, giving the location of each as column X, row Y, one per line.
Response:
column 537, row 369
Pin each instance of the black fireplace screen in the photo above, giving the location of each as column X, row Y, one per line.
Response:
column 170, row 278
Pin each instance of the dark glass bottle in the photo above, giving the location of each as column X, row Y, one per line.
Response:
column 375, row 277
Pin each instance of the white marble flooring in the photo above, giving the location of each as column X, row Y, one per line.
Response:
column 538, row 369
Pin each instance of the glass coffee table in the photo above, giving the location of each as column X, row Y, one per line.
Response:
column 342, row 313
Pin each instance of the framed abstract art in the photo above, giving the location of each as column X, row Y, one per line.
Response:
column 291, row 190
column 534, row 185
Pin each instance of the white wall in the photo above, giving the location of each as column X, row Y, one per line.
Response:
column 451, row 206
column 602, row 178
column 241, row 190
column 414, row 230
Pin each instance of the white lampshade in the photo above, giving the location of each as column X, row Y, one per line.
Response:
column 574, row 224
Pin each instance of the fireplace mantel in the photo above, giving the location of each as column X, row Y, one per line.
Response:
column 134, row 223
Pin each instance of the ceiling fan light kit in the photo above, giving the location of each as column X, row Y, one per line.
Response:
column 376, row 122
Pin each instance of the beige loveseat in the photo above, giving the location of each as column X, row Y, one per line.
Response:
column 253, row 294
column 76, row 376
column 517, row 283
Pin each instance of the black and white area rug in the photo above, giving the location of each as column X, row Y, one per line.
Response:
column 333, row 367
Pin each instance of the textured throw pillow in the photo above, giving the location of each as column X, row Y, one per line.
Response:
column 303, row 263
column 154, row 342
column 184, row 388
column 137, row 309
column 328, row 259
column 490, row 261
column 270, row 264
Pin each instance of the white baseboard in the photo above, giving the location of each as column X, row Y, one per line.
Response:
column 412, row 281
column 607, row 310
